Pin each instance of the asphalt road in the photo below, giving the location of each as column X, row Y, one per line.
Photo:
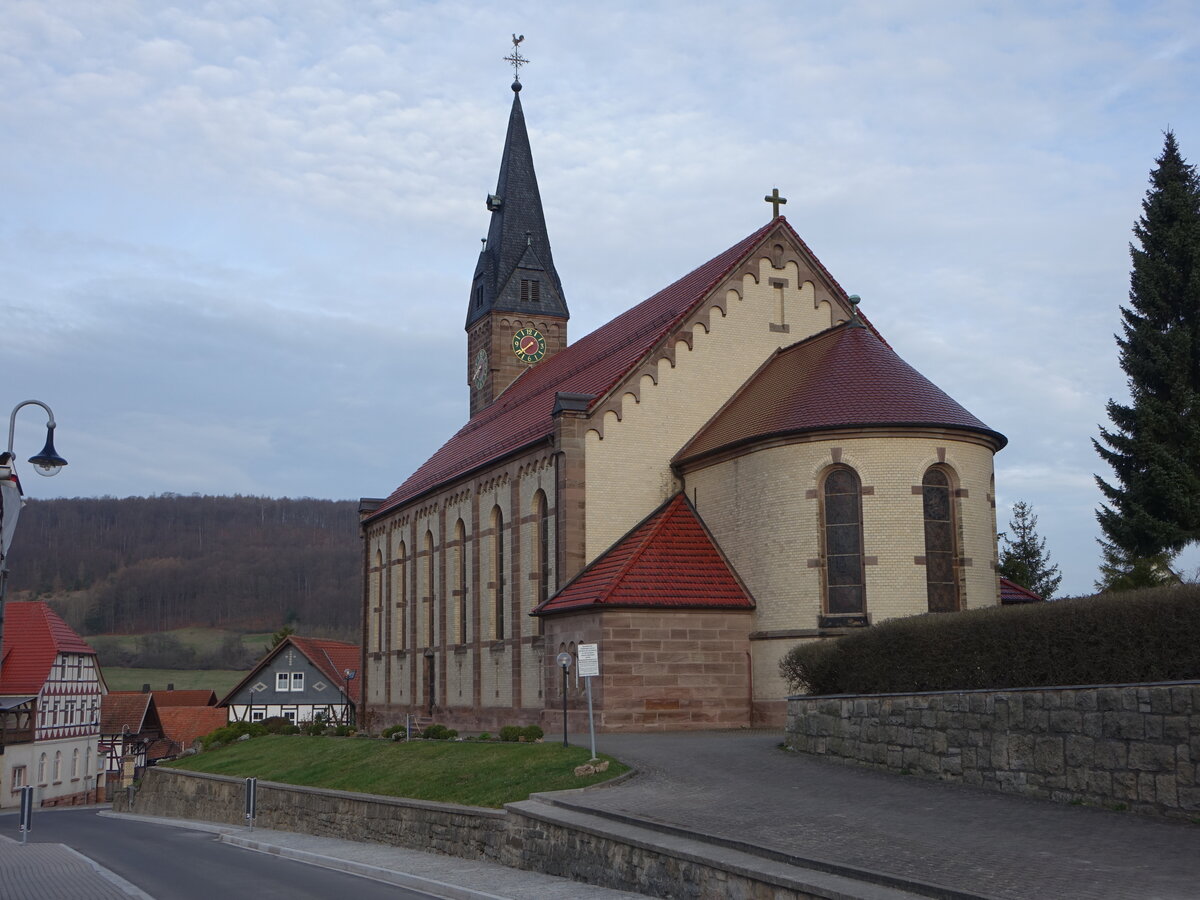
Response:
column 181, row 864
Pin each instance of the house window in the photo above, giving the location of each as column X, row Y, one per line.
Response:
column 42, row 769
column 75, row 763
column 841, row 511
column 941, row 551
column 290, row 715
column 297, row 681
column 18, row 776
column 282, row 681
column 498, row 570
column 531, row 291
column 257, row 715
column 57, row 766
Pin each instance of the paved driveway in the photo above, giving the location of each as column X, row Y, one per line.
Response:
column 742, row 786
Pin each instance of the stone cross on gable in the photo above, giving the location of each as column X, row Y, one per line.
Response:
column 291, row 657
column 775, row 200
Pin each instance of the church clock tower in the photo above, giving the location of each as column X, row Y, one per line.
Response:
column 517, row 314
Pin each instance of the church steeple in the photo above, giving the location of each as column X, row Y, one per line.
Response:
column 515, row 286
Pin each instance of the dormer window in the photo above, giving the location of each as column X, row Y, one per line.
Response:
column 531, row 291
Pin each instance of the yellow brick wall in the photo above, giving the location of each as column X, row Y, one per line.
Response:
column 628, row 468
column 763, row 513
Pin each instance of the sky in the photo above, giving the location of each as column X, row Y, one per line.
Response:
column 236, row 238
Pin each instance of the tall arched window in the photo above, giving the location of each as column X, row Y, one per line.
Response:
column 841, row 511
column 498, row 570
column 541, row 511
column 75, row 763
column 58, row 765
column 429, row 592
column 400, row 593
column 460, row 536
column 42, row 769
column 378, row 636
column 941, row 551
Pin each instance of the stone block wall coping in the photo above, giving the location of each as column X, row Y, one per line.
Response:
column 1013, row 690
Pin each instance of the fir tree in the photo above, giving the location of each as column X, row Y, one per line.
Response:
column 1153, row 447
column 1024, row 558
column 1121, row 571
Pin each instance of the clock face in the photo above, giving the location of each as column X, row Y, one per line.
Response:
column 479, row 372
column 529, row 345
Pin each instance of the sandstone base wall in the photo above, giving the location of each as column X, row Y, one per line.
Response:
column 1133, row 747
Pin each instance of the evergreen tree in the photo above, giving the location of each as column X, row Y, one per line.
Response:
column 1120, row 571
column 1024, row 558
column 1153, row 446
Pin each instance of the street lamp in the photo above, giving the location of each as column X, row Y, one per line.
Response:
column 47, row 463
column 564, row 660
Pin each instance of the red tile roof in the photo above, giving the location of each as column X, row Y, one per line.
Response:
column 594, row 364
column 122, row 711
column 34, row 635
column 845, row 376
column 183, row 724
column 334, row 658
column 669, row 560
column 1011, row 592
column 194, row 697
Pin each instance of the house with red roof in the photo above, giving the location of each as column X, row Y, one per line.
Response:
column 129, row 726
column 301, row 679
column 736, row 464
column 51, row 690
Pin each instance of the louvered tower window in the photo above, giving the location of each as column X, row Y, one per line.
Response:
column 531, row 291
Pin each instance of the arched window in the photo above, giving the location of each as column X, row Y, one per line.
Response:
column 400, row 593
column 42, row 769
column 541, row 511
column 75, row 763
column 498, row 570
column 841, row 519
column 378, row 636
column 429, row 589
column 58, row 765
column 941, row 551
column 460, row 537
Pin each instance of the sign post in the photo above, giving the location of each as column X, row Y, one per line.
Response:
column 26, row 811
column 251, row 801
column 589, row 665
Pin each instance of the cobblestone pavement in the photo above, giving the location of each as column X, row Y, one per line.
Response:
column 56, row 872
column 742, row 786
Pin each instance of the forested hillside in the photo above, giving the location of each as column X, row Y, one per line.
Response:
column 150, row 564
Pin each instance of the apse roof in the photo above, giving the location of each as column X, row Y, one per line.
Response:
column 845, row 376
column 669, row 560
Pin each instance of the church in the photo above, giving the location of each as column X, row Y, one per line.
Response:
column 734, row 465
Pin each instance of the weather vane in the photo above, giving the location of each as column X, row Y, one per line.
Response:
column 517, row 59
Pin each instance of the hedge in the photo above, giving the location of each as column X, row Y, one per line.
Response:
column 1118, row 638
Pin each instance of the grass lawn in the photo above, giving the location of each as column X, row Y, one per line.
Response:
column 473, row 774
column 219, row 680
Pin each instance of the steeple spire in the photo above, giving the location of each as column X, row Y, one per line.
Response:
column 516, row 295
column 517, row 253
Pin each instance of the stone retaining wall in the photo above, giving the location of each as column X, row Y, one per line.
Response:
column 519, row 836
column 1121, row 746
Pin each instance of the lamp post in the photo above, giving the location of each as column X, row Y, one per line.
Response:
column 47, row 463
column 564, row 660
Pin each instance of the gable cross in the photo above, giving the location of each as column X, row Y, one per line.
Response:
column 776, row 201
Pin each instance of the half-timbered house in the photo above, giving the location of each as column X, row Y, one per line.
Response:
column 51, row 690
column 300, row 679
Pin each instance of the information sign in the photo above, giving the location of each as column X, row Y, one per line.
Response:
column 589, row 660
